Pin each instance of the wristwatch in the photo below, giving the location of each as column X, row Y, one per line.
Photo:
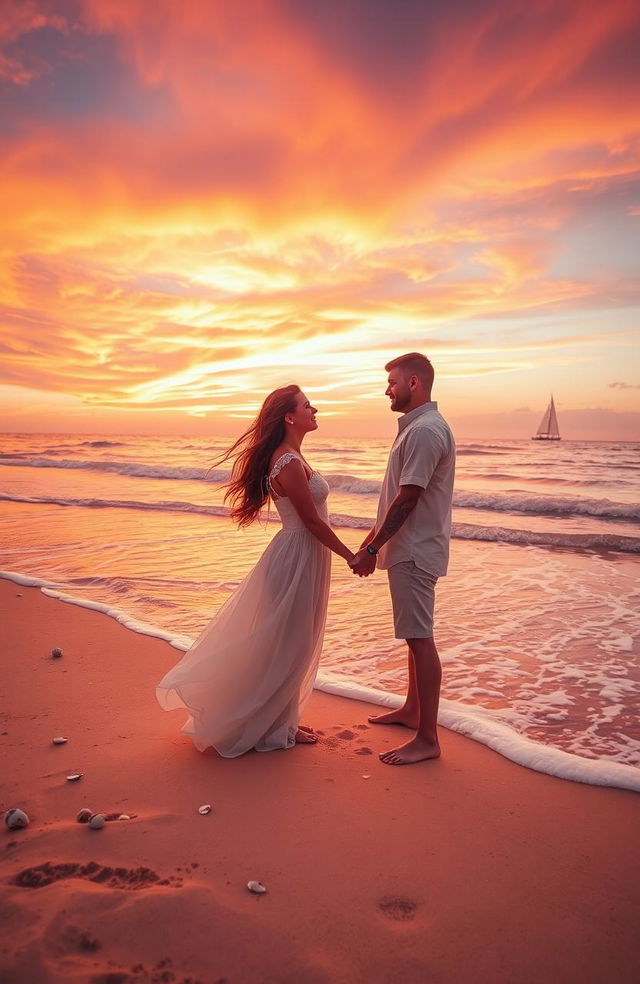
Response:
column 371, row 550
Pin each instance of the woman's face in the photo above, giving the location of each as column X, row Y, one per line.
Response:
column 304, row 415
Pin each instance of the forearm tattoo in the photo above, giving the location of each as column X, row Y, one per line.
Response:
column 397, row 514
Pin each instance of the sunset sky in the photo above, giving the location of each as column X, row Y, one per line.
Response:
column 202, row 200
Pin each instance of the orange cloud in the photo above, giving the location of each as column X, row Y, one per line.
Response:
column 194, row 194
column 252, row 114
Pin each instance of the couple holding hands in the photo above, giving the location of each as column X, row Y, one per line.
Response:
column 247, row 676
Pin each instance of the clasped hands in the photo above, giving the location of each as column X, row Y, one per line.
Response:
column 363, row 563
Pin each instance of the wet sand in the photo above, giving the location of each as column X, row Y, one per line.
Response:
column 470, row 868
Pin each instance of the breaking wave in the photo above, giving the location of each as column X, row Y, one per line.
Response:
column 461, row 531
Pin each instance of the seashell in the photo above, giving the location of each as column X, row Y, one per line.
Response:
column 96, row 822
column 56, row 652
column 366, row 776
column 60, row 741
column 204, row 809
column 75, row 776
column 124, row 816
column 19, row 595
column 256, row 887
column 84, row 815
column 15, row 819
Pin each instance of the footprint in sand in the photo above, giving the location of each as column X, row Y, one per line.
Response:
column 131, row 879
column 364, row 751
column 77, row 940
column 112, row 977
column 400, row 910
column 346, row 735
column 161, row 973
column 70, row 939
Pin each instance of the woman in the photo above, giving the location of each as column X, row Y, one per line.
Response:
column 251, row 670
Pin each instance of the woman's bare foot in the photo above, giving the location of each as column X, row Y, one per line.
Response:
column 305, row 736
column 410, row 719
column 416, row 750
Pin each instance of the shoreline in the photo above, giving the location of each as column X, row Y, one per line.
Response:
column 465, row 868
column 475, row 723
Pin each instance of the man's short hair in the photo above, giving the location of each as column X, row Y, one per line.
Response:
column 414, row 364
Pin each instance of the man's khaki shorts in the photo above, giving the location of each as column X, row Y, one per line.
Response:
column 412, row 598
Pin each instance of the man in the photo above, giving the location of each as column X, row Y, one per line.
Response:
column 411, row 541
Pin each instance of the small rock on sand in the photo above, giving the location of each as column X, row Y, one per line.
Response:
column 16, row 818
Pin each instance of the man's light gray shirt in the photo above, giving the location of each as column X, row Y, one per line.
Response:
column 423, row 454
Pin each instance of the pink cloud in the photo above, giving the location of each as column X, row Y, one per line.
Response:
column 184, row 181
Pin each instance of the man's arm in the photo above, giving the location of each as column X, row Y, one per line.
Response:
column 368, row 538
column 397, row 513
column 364, row 563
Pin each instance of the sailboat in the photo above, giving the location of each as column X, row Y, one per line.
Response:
column 548, row 429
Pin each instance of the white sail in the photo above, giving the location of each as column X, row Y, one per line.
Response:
column 548, row 429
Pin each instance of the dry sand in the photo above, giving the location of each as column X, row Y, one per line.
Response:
column 470, row 868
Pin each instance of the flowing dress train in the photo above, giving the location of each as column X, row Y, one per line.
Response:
column 246, row 677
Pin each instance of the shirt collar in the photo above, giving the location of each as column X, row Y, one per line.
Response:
column 408, row 418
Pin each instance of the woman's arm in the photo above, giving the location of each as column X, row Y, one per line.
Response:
column 295, row 485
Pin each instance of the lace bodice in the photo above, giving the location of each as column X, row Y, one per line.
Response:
column 283, row 460
column 286, row 510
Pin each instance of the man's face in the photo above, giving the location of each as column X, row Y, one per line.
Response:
column 398, row 390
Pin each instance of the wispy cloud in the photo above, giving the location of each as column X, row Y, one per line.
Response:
column 200, row 199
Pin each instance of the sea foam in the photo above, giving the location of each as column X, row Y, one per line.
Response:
column 478, row 724
column 475, row 723
column 504, row 501
column 462, row 531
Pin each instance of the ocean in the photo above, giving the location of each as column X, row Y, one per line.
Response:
column 537, row 621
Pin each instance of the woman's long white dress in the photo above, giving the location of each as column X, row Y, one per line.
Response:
column 247, row 676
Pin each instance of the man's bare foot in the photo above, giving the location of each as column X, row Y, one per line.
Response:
column 305, row 736
column 410, row 719
column 417, row 750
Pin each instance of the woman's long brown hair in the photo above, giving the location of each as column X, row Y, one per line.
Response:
column 247, row 489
